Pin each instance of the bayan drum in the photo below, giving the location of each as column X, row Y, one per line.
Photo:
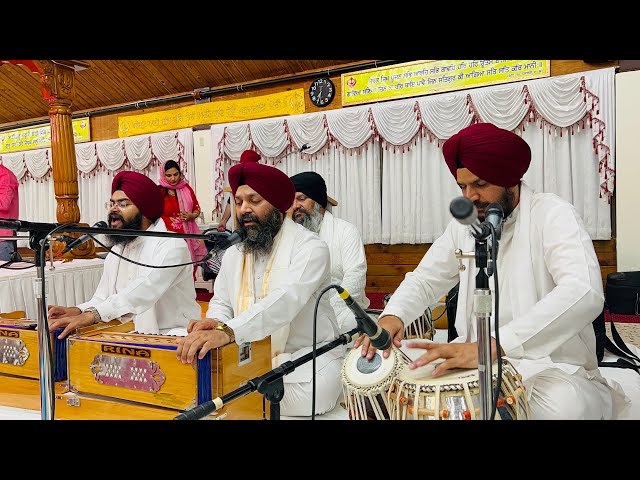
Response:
column 454, row 396
column 421, row 327
column 365, row 382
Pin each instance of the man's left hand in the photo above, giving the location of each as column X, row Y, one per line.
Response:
column 455, row 355
column 203, row 340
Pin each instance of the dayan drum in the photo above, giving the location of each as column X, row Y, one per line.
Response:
column 455, row 396
column 421, row 327
column 365, row 383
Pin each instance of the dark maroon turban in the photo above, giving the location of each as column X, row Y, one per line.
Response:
column 272, row 184
column 142, row 191
column 495, row 155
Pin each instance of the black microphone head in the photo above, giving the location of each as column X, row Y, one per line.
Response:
column 240, row 233
column 101, row 224
column 463, row 210
column 494, row 209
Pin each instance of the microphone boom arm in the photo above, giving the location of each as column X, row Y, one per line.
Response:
column 268, row 384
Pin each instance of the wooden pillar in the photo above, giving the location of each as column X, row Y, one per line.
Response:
column 57, row 84
column 56, row 80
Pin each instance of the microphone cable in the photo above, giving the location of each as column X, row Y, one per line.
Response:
column 313, row 348
column 494, row 253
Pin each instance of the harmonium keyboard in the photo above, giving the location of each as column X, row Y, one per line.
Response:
column 128, row 375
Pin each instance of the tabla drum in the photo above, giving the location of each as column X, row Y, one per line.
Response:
column 454, row 396
column 421, row 327
column 365, row 383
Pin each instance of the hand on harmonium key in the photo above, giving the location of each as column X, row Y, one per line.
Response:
column 204, row 335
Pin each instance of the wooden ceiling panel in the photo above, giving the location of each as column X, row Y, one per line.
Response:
column 107, row 83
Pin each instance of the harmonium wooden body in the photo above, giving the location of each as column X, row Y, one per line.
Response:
column 128, row 375
column 20, row 363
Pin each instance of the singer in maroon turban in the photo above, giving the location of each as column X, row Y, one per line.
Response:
column 142, row 191
column 270, row 286
column 272, row 184
column 496, row 155
column 549, row 286
column 146, row 279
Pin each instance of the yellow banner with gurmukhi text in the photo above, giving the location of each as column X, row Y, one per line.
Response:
column 290, row 102
column 424, row 77
column 40, row 137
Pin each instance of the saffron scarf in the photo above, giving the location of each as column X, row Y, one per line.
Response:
column 276, row 270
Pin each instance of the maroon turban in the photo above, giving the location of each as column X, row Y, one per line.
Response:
column 272, row 184
column 142, row 191
column 495, row 155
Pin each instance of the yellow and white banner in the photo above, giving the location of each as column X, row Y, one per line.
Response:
column 40, row 137
column 424, row 77
column 290, row 102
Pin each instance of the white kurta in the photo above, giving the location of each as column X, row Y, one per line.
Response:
column 157, row 299
column 348, row 266
column 550, row 291
column 291, row 300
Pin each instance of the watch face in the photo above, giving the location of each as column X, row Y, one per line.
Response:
column 321, row 92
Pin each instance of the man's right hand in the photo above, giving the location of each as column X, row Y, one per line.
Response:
column 391, row 324
column 222, row 226
column 56, row 311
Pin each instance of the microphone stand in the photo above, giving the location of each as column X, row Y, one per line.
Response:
column 482, row 309
column 38, row 239
column 270, row 384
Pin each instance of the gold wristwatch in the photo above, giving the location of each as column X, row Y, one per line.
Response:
column 223, row 327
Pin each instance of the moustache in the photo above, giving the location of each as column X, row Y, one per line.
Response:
column 115, row 216
column 300, row 210
column 249, row 218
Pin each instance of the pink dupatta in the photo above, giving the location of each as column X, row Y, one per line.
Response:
column 196, row 247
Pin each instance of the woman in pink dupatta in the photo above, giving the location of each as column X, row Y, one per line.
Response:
column 181, row 208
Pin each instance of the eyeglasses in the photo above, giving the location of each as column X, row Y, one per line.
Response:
column 120, row 203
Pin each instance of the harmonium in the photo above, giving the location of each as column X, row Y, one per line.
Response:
column 20, row 363
column 128, row 375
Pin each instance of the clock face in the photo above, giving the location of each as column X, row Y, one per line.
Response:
column 322, row 91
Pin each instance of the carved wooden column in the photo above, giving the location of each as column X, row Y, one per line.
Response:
column 56, row 81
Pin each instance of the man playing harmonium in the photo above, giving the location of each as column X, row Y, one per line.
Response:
column 268, row 286
column 155, row 299
column 550, row 287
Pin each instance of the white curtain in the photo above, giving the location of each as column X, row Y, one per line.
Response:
column 384, row 163
column 97, row 163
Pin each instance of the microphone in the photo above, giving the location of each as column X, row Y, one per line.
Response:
column 463, row 210
column 379, row 337
column 494, row 214
column 236, row 237
column 80, row 240
column 24, row 226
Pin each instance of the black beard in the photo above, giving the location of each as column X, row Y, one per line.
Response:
column 506, row 201
column 134, row 224
column 261, row 235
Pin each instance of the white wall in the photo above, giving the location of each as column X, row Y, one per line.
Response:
column 627, row 170
column 204, row 172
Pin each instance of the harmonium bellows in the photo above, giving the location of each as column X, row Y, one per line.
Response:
column 142, row 371
column 20, row 352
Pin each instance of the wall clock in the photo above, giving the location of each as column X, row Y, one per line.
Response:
column 322, row 91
